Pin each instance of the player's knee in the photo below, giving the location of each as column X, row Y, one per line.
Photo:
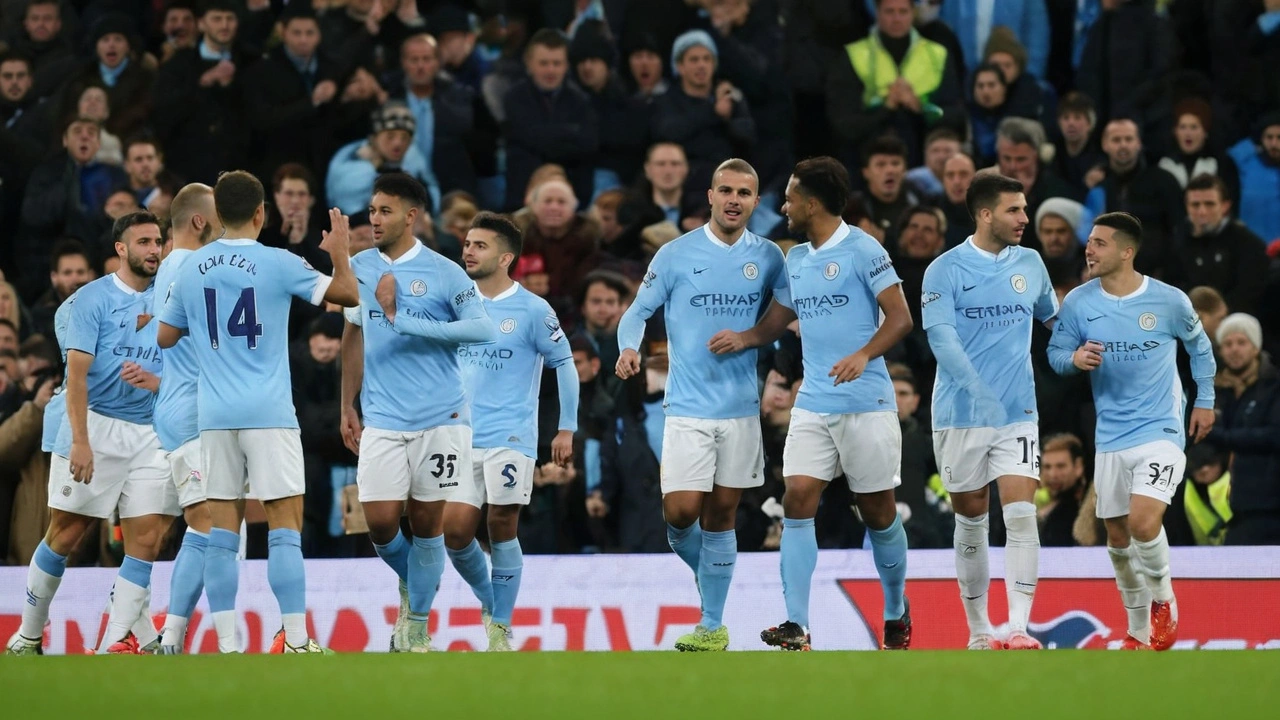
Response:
column 457, row 538
column 65, row 531
column 503, row 522
column 801, row 500
column 1117, row 533
column 197, row 517
column 682, row 509
column 1144, row 527
column 143, row 539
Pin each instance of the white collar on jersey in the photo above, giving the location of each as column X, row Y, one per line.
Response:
column 706, row 230
column 515, row 288
column 992, row 256
column 837, row 237
column 115, row 276
column 408, row 255
column 237, row 242
column 1141, row 289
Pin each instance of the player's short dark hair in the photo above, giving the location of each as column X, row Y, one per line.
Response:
column 133, row 219
column 825, row 179
column 549, row 38
column 293, row 171
column 1127, row 227
column 1063, row 441
column 610, row 279
column 236, row 197
column 510, row 236
column 67, row 247
column 1205, row 181
column 403, row 186
column 986, row 188
column 884, row 145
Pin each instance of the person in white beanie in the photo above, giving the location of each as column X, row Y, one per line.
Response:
column 1056, row 221
column 1249, row 428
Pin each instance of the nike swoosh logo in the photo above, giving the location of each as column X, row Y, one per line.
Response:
column 119, row 310
column 1095, row 318
column 888, row 566
column 697, row 271
column 970, row 287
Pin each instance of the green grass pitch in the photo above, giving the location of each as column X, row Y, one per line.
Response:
column 613, row 686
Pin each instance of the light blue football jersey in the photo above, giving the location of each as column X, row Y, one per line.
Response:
column 705, row 286
column 503, row 378
column 233, row 297
column 55, row 413
column 411, row 382
column 1136, row 389
column 105, row 323
column 833, row 291
column 991, row 300
column 176, row 416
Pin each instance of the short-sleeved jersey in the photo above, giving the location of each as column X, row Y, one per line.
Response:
column 176, row 416
column 991, row 300
column 112, row 322
column 705, row 286
column 55, row 413
column 833, row 290
column 503, row 377
column 410, row 382
column 1136, row 389
column 233, row 297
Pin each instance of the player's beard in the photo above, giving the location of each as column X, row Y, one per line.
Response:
column 138, row 265
column 798, row 226
column 205, row 234
column 388, row 240
column 483, row 270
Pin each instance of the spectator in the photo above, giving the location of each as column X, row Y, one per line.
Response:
column 1058, row 502
column 11, row 309
column 629, row 489
column 892, row 80
column 1018, row 146
column 1206, row 496
column 712, row 121
column 1055, row 222
column 988, row 107
column 93, row 105
column 457, row 135
column 65, row 197
column 1259, row 167
column 70, row 268
column 926, row 525
column 884, row 169
column 389, row 148
column 365, row 34
column 1132, row 186
column 1025, row 20
column 1211, row 309
column 644, row 68
column 1190, row 155
column 547, row 120
column 53, row 58
column 9, row 339
column 201, row 98
column 143, row 163
column 1077, row 158
column 24, row 475
column 957, row 173
column 178, row 29
column 1249, row 428
column 567, row 241
column 1027, row 94
column 921, row 236
column 294, row 224
column 605, row 212
column 926, row 181
column 1124, row 64
column 1211, row 249
column 459, row 55
column 658, row 198
column 119, row 69
column 624, row 120
column 24, row 127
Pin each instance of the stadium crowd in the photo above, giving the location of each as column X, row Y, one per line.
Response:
column 597, row 124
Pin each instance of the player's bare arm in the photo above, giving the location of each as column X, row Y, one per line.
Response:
column 337, row 242
column 768, row 330
column 167, row 336
column 896, row 325
column 352, row 378
column 81, row 457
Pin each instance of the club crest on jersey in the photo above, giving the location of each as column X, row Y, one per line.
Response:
column 418, row 288
column 1147, row 321
column 750, row 271
column 1019, row 284
column 508, row 326
column 831, row 271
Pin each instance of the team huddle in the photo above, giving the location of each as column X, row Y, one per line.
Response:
column 177, row 401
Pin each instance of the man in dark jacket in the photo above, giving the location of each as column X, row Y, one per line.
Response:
column 43, row 41
column 24, row 135
column 117, row 68
column 623, row 119
column 1212, row 249
column 462, row 139
column 199, row 99
column 547, row 120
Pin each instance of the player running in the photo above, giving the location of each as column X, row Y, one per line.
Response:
column 845, row 417
column 232, row 296
column 978, row 301
column 107, row 456
column 195, row 223
column 715, row 277
column 399, row 349
column 1123, row 328
column 502, row 381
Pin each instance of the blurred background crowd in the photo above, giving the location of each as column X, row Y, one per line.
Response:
column 597, row 124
